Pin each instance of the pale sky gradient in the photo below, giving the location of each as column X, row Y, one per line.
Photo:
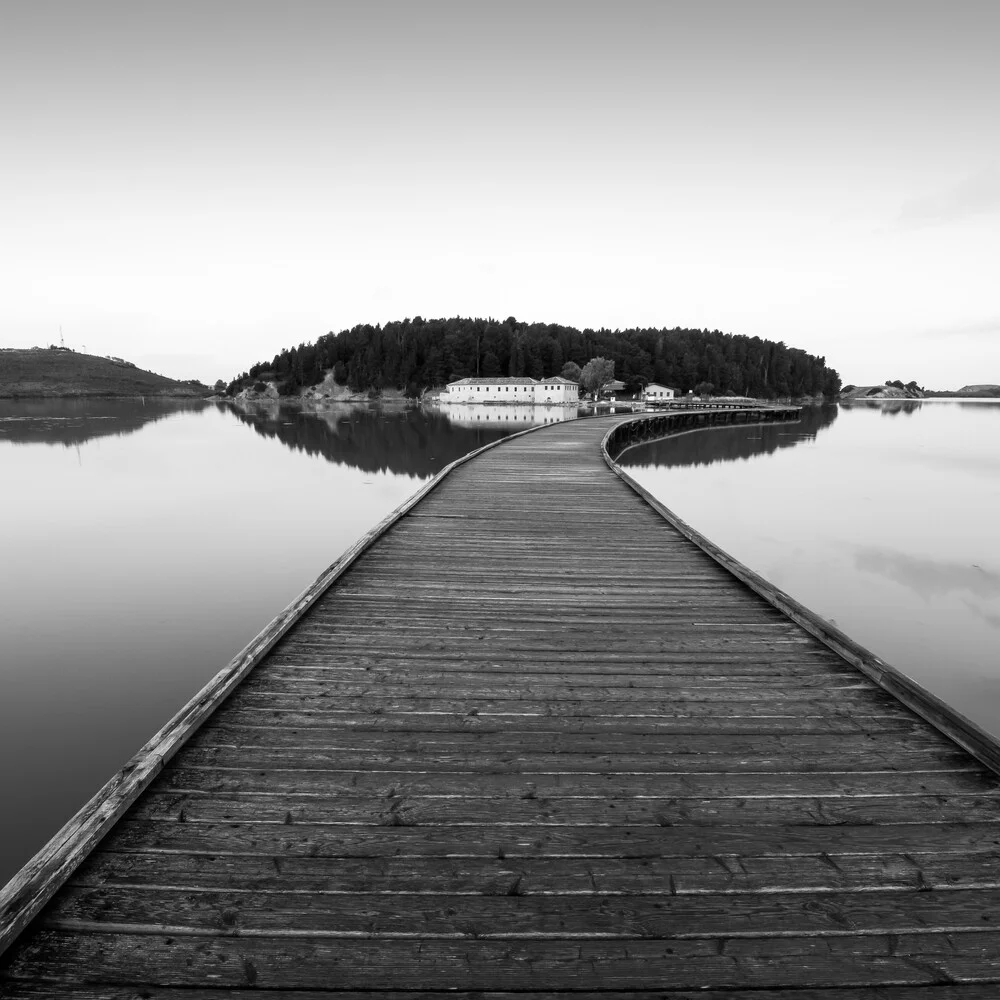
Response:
column 194, row 186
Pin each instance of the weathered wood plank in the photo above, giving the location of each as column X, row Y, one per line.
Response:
column 439, row 783
column 65, row 991
column 231, row 732
column 476, row 760
column 832, row 723
column 528, row 841
column 283, row 806
column 676, row 876
column 289, row 962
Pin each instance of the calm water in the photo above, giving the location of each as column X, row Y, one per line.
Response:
column 144, row 545
column 882, row 518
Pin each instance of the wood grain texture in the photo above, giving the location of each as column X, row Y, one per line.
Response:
column 478, row 762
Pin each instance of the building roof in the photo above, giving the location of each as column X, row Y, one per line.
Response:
column 659, row 385
column 559, row 378
column 614, row 385
column 522, row 380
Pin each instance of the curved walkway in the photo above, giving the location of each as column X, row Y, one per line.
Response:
column 535, row 740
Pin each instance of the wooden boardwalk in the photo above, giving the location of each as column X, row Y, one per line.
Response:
column 536, row 741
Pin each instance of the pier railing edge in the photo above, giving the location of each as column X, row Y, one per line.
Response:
column 947, row 720
column 35, row 884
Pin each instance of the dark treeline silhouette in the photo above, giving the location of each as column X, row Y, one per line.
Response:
column 410, row 442
column 416, row 354
column 72, row 422
column 728, row 444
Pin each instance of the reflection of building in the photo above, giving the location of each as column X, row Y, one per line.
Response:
column 520, row 415
column 512, row 390
column 655, row 391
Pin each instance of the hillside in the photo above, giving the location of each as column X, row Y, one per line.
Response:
column 980, row 390
column 58, row 372
column 852, row 392
column 984, row 390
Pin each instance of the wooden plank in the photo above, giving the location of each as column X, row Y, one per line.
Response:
column 917, row 840
column 329, row 705
column 687, row 689
column 493, row 745
column 686, row 876
column 474, row 760
column 736, row 725
column 290, row 962
column 285, row 806
column 509, row 906
column 84, row 991
column 470, row 785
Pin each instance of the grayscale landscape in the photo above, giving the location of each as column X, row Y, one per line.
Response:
column 499, row 499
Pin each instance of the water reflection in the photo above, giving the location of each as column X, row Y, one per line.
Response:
column 887, row 407
column 409, row 440
column 512, row 416
column 72, row 422
column 729, row 444
column 928, row 578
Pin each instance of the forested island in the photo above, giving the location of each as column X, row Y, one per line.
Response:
column 413, row 355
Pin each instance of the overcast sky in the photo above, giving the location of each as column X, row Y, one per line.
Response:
column 194, row 186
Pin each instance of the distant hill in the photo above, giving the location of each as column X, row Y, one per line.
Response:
column 984, row 391
column 887, row 391
column 980, row 390
column 61, row 372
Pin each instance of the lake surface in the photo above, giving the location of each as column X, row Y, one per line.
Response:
column 880, row 517
column 144, row 545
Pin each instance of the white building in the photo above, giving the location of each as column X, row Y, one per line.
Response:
column 548, row 391
column 656, row 392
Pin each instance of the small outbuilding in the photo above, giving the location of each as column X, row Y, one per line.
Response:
column 657, row 393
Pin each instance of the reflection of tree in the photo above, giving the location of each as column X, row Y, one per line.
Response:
column 727, row 444
column 897, row 406
column 409, row 441
column 72, row 422
column 887, row 407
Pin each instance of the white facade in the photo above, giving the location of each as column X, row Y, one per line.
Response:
column 548, row 391
column 655, row 392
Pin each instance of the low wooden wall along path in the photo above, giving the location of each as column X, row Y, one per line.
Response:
column 534, row 740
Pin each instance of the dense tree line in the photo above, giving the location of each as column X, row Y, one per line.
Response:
column 416, row 354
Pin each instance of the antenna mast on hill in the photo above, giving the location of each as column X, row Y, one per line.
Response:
column 62, row 341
